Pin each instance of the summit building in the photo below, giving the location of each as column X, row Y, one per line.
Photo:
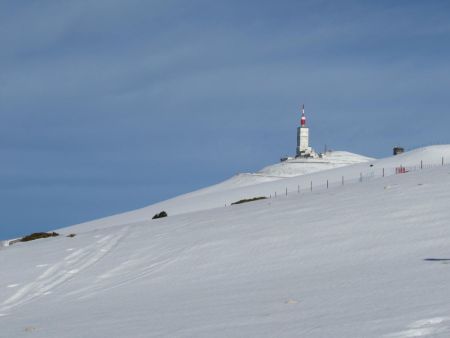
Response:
column 303, row 148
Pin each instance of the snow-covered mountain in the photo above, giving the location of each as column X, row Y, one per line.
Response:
column 364, row 256
column 264, row 182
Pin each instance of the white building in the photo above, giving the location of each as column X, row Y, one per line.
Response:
column 303, row 148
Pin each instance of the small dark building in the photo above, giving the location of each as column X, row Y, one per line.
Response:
column 398, row 150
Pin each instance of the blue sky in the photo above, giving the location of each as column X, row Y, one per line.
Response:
column 107, row 106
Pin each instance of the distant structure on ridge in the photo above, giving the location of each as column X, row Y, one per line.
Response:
column 303, row 152
column 398, row 150
column 303, row 148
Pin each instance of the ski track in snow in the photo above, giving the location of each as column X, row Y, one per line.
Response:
column 423, row 328
column 132, row 269
column 61, row 272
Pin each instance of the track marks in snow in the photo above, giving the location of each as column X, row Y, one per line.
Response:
column 424, row 328
column 61, row 272
column 430, row 321
column 136, row 267
column 41, row 265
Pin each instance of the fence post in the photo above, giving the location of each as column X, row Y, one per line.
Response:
column 275, row 194
column 342, row 180
column 442, row 160
column 311, row 185
column 286, row 191
column 298, row 188
column 383, row 172
column 421, row 164
column 327, row 184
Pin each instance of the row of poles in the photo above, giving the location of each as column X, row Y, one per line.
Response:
column 360, row 179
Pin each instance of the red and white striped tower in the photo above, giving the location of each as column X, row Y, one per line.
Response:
column 303, row 119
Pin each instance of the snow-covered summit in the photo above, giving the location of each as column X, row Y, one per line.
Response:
column 303, row 166
column 290, row 168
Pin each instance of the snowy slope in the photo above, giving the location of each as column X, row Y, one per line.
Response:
column 235, row 188
column 215, row 198
column 365, row 259
column 287, row 169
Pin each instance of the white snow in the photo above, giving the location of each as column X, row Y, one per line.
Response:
column 298, row 167
column 364, row 259
column 241, row 186
column 287, row 169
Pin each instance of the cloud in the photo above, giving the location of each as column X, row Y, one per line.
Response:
column 116, row 95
